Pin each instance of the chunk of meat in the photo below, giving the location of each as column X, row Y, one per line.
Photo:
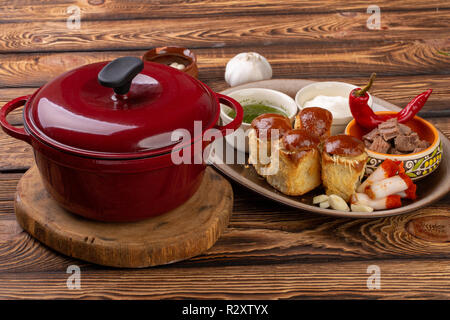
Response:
column 404, row 129
column 379, row 145
column 391, row 137
column 423, row 144
column 389, row 129
column 371, row 135
column 408, row 143
column 391, row 120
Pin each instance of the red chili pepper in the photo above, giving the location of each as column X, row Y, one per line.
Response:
column 361, row 111
column 365, row 116
column 413, row 106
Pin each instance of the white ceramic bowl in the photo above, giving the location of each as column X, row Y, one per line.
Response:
column 328, row 88
column 255, row 95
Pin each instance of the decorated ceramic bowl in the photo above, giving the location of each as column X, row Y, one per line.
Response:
column 417, row 165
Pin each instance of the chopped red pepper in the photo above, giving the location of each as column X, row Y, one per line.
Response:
column 390, row 167
column 368, row 119
column 393, row 201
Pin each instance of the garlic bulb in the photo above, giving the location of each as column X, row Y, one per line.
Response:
column 247, row 67
column 178, row 66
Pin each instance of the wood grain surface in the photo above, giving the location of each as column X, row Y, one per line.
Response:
column 269, row 250
column 242, row 31
column 39, row 10
column 180, row 234
column 284, row 281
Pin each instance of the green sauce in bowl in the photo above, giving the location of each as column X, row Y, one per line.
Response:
column 251, row 111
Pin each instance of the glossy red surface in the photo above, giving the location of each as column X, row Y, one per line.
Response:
column 105, row 159
column 18, row 133
column 77, row 114
column 116, row 190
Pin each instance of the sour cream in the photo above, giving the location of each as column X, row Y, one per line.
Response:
column 337, row 105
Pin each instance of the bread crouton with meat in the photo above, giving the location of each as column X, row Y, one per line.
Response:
column 295, row 164
column 343, row 165
column 265, row 131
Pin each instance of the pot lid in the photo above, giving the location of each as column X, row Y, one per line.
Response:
column 122, row 109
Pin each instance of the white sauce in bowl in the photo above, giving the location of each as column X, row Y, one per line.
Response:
column 337, row 105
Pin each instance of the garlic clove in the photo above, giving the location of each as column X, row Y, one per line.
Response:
column 324, row 205
column 320, row 198
column 337, row 203
column 247, row 67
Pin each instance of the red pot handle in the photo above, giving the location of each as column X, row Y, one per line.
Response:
column 18, row 133
column 237, row 121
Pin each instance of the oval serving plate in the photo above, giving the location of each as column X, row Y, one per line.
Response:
column 429, row 189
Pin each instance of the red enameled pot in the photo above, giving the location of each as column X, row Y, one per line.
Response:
column 103, row 137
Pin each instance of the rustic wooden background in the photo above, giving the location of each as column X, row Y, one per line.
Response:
column 269, row 250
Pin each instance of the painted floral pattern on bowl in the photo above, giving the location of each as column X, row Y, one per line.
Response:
column 417, row 165
column 414, row 168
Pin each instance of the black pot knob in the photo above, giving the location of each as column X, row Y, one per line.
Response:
column 119, row 73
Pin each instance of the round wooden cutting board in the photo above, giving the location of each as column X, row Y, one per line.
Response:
column 180, row 234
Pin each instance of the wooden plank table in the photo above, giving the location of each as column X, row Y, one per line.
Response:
column 269, row 251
